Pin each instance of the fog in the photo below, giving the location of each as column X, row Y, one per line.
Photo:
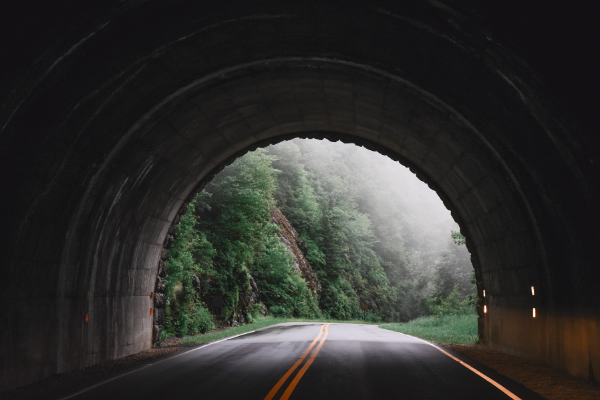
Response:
column 407, row 217
column 388, row 191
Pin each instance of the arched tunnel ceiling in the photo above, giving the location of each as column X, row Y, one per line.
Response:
column 122, row 119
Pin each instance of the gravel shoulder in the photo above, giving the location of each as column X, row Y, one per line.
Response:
column 549, row 383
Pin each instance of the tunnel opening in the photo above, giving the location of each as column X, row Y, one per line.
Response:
column 184, row 141
column 364, row 239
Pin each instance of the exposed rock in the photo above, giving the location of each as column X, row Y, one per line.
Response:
column 184, row 208
column 297, row 248
column 162, row 268
column 159, row 300
column 235, row 323
column 160, row 285
column 156, row 333
column 254, row 293
column 164, row 254
column 371, row 304
column 197, row 284
column 169, row 241
column 173, row 229
column 251, row 298
column 176, row 219
column 159, row 316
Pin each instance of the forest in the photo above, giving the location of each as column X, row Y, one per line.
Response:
column 315, row 229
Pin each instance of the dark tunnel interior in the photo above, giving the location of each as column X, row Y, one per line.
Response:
column 114, row 115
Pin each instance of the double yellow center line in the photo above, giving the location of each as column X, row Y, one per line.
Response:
column 299, row 375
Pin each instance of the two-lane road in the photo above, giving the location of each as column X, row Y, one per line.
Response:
column 311, row 361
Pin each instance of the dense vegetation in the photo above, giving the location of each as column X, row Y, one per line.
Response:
column 363, row 227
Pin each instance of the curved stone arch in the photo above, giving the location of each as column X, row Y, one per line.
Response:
column 316, row 62
column 335, row 100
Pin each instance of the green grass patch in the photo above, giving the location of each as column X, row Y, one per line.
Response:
column 259, row 323
column 451, row 329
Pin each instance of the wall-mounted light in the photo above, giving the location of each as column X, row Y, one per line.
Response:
column 151, row 295
column 483, row 292
column 532, row 291
column 150, row 310
column 534, row 313
column 87, row 294
column 86, row 318
column 485, row 309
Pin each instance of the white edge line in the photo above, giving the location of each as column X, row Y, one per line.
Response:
column 481, row 374
column 148, row 365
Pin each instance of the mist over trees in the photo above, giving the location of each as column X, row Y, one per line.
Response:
column 378, row 239
column 368, row 221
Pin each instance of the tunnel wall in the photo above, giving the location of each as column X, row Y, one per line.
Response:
column 125, row 116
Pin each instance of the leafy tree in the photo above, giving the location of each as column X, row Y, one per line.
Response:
column 237, row 221
column 323, row 194
column 190, row 255
column 363, row 228
column 451, row 305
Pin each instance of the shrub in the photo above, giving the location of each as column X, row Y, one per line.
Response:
column 451, row 305
column 370, row 316
column 280, row 311
column 200, row 321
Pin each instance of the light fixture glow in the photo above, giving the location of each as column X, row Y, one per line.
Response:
column 151, row 295
column 532, row 291
column 483, row 292
column 534, row 313
column 485, row 309
column 86, row 318
column 150, row 311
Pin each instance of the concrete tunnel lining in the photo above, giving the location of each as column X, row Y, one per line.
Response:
column 126, row 146
column 200, row 135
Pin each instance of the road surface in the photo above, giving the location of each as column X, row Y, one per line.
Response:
column 313, row 361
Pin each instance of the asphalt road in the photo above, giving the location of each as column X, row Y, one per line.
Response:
column 335, row 361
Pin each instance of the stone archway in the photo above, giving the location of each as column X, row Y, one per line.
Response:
column 124, row 124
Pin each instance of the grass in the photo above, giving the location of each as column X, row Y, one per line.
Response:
column 451, row 329
column 259, row 323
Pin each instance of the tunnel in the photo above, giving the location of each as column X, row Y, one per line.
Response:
column 114, row 116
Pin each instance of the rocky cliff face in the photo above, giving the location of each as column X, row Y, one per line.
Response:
column 297, row 248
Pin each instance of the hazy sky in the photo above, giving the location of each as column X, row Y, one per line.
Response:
column 423, row 214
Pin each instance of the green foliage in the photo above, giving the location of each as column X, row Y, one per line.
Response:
column 370, row 316
column 283, row 289
column 454, row 279
column 352, row 216
column 190, row 255
column 237, row 221
column 457, row 238
column 331, row 200
column 451, row 305
column 339, row 300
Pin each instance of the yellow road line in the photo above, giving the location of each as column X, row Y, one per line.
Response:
column 487, row 378
column 293, row 384
column 273, row 391
column 490, row 380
